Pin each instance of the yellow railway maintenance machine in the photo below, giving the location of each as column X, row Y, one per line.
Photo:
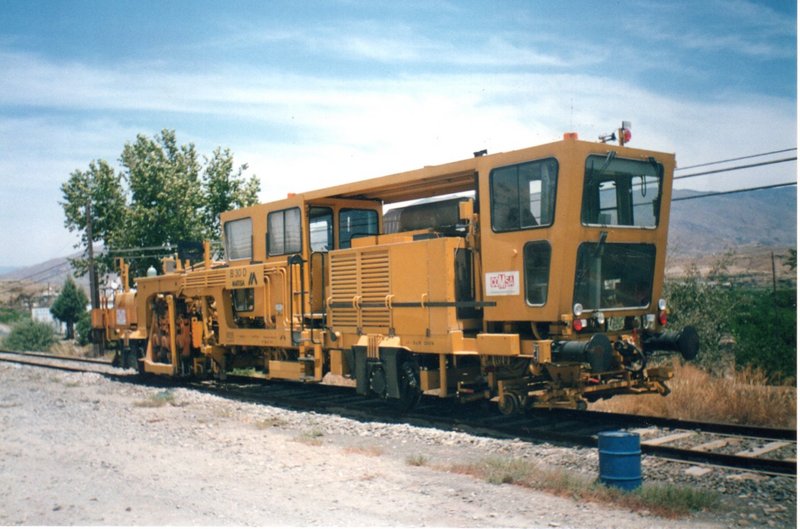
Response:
column 534, row 281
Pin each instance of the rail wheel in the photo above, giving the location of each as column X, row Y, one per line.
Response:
column 410, row 393
column 510, row 404
column 130, row 356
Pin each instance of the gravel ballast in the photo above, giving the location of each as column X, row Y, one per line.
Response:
column 82, row 449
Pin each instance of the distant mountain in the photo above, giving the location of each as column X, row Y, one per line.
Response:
column 51, row 272
column 765, row 218
column 698, row 227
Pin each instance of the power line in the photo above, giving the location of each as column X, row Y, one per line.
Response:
column 735, row 159
column 718, row 193
column 166, row 248
column 29, row 276
column 12, row 287
column 736, row 168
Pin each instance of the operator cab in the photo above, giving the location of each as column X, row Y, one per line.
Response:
column 267, row 231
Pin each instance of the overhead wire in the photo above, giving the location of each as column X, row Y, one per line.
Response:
column 33, row 275
column 731, row 192
column 36, row 273
column 736, row 159
column 736, row 168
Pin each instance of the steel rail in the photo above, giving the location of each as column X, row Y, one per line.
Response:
column 74, row 369
column 48, row 356
column 741, row 430
column 755, row 464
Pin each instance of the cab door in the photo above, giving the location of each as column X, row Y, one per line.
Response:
column 320, row 238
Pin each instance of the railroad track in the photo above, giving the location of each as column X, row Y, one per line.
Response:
column 748, row 448
column 56, row 362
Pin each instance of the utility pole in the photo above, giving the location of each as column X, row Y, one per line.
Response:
column 98, row 337
column 774, row 280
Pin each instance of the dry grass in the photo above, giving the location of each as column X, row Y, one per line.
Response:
column 157, row 400
column 417, row 460
column 744, row 398
column 272, row 422
column 71, row 348
column 667, row 500
column 371, row 451
column 311, row 437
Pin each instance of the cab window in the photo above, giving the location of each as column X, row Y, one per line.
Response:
column 356, row 222
column 621, row 192
column 524, row 195
column 239, row 239
column 284, row 232
column 244, row 299
column 320, row 228
column 614, row 275
column 537, row 272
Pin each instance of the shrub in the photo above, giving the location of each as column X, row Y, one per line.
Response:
column 708, row 306
column 766, row 332
column 83, row 328
column 418, row 460
column 157, row 400
column 9, row 315
column 29, row 335
column 762, row 323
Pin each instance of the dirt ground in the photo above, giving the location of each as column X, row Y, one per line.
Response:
column 80, row 449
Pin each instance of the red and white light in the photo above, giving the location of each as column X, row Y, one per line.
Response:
column 625, row 133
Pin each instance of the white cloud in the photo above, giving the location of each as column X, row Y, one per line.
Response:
column 331, row 131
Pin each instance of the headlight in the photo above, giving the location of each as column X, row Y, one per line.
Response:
column 599, row 317
column 577, row 309
column 662, row 304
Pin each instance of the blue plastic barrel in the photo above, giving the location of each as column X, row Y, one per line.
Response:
column 620, row 459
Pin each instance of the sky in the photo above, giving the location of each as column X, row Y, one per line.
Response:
column 317, row 93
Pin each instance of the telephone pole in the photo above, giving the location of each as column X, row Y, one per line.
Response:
column 98, row 335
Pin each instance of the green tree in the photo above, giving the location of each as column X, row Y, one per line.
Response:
column 165, row 193
column 225, row 189
column 102, row 187
column 29, row 335
column 166, row 199
column 69, row 306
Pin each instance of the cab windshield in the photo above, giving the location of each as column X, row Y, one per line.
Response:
column 614, row 276
column 621, row 192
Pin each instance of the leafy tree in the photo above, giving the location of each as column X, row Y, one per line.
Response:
column 102, row 187
column 69, row 306
column 163, row 194
column 29, row 335
column 225, row 189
